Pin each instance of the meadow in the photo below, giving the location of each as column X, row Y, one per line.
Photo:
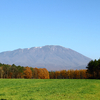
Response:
column 49, row 89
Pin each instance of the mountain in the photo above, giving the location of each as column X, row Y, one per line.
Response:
column 50, row 57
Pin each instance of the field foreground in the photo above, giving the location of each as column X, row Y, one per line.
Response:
column 49, row 89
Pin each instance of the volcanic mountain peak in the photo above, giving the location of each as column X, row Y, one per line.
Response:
column 52, row 57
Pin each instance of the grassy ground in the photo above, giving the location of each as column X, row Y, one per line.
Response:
column 50, row 89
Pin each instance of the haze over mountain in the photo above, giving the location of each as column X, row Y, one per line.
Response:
column 50, row 57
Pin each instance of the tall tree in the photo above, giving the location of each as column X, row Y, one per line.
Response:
column 6, row 70
column 27, row 73
column 90, row 68
column 93, row 68
column 13, row 71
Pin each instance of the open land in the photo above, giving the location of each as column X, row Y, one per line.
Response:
column 49, row 89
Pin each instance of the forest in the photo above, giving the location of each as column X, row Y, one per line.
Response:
column 13, row 71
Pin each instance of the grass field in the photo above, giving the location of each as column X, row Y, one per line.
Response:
column 49, row 89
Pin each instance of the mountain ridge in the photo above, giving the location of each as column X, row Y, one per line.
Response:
column 52, row 57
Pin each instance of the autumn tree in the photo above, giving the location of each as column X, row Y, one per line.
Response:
column 42, row 73
column 35, row 74
column 52, row 74
column 46, row 73
column 57, row 74
column 27, row 73
column 32, row 69
column 63, row 74
column 1, row 72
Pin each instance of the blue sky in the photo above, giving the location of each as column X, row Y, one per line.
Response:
column 72, row 24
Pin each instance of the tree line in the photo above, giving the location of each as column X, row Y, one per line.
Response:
column 68, row 74
column 13, row 71
column 92, row 72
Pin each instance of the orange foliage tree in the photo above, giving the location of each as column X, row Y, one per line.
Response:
column 63, row 74
column 46, row 73
column 27, row 72
column 57, row 74
column 69, row 74
column 41, row 73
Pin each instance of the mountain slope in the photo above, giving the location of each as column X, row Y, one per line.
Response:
column 50, row 56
